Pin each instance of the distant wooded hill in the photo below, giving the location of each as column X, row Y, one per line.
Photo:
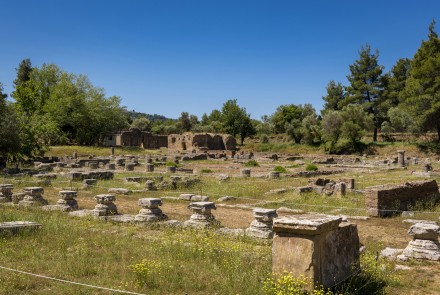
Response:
column 133, row 115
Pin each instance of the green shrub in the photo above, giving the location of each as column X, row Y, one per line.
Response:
column 170, row 164
column 264, row 138
column 280, row 169
column 311, row 167
column 206, row 171
column 252, row 163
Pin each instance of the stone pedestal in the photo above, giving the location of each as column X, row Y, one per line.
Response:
column 150, row 185
column 316, row 246
column 112, row 151
column 119, row 161
column 201, row 215
column 89, row 182
column 340, row 189
column 93, row 165
column 425, row 244
column 274, row 175
column 6, row 193
column 129, row 166
column 111, row 166
column 33, row 197
column 149, row 167
column 261, row 227
column 75, row 155
column 171, row 169
column 150, row 210
column 245, row 172
column 105, row 206
column 401, row 158
column 67, row 200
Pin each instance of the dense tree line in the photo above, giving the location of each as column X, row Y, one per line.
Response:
column 51, row 106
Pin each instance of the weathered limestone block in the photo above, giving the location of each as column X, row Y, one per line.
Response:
column 65, row 203
column 33, row 197
column 171, row 169
column 202, row 216
column 134, row 179
column 186, row 197
column 67, row 200
column 245, row 172
column 119, row 190
column 150, row 185
column 425, row 244
column 150, row 210
column 349, row 182
column 316, row 246
column 401, row 158
column 89, row 182
column 274, row 175
column 149, row 167
column 6, row 193
column 120, row 161
column 105, row 206
column 199, row 198
column 261, row 227
column 111, row 166
column 386, row 200
column 340, row 189
column 93, row 165
column 75, row 175
column 13, row 227
column 303, row 189
column 129, row 166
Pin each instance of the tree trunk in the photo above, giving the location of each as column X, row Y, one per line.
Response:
column 375, row 134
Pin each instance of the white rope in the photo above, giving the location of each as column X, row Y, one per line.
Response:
column 70, row 282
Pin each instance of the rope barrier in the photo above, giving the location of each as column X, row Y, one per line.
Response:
column 70, row 282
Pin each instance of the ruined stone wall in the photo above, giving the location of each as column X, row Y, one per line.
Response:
column 382, row 200
column 201, row 141
column 138, row 138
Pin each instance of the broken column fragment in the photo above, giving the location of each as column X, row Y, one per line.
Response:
column 425, row 244
column 261, row 227
column 105, row 206
column 201, row 215
column 150, row 210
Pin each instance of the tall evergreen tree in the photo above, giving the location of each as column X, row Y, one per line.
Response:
column 422, row 90
column 335, row 94
column 367, row 85
column 23, row 72
column 396, row 81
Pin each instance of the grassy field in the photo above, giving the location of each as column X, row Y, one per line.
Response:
column 160, row 260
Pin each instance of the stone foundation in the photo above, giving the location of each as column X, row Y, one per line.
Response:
column 387, row 200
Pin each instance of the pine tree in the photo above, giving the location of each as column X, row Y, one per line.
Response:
column 367, row 85
column 422, row 90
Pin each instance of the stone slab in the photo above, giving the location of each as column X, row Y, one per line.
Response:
column 306, row 224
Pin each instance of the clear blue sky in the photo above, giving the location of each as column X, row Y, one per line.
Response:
column 165, row 57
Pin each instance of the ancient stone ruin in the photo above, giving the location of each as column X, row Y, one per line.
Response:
column 316, row 246
column 201, row 141
column 135, row 137
column 387, row 200
column 105, row 206
column 150, row 210
column 424, row 245
column 6, row 193
column 65, row 203
column 261, row 227
column 33, row 196
column 201, row 215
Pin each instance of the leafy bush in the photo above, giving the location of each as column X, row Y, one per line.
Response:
column 280, row 169
column 311, row 167
column 170, row 164
column 206, row 171
column 264, row 138
column 252, row 163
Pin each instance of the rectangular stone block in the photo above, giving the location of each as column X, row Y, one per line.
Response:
column 386, row 200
